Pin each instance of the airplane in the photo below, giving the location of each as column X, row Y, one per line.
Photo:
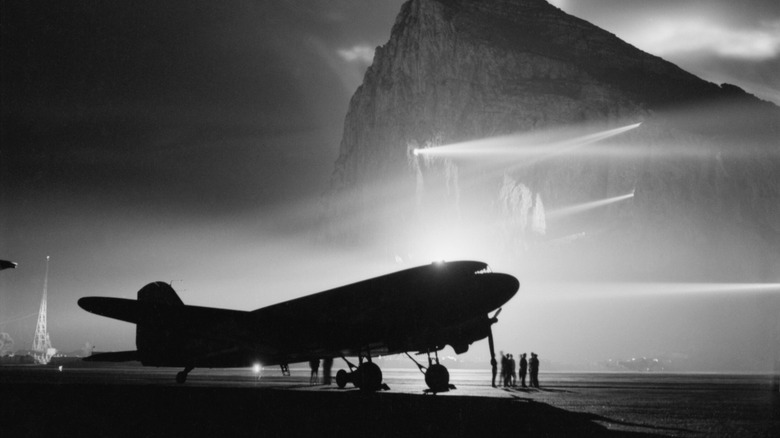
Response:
column 420, row 310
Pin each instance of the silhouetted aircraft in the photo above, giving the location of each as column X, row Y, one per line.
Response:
column 419, row 310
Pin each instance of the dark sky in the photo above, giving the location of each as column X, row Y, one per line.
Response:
column 190, row 141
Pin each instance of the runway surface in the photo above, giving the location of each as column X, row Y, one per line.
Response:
column 135, row 401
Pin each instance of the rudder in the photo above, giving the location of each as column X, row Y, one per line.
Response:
column 160, row 292
column 155, row 335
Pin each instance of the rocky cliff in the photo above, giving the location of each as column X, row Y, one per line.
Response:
column 703, row 166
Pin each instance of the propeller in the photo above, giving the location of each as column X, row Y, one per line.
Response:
column 494, row 319
column 493, row 362
column 490, row 344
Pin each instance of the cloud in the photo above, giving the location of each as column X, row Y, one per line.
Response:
column 686, row 35
column 359, row 53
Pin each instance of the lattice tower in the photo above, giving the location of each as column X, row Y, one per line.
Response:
column 42, row 349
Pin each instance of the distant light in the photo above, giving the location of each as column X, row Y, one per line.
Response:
column 416, row 151
column 256, row 368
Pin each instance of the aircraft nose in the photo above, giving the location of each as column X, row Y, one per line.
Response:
column 500, row 288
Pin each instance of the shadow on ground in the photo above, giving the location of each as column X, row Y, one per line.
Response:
column 144, row 411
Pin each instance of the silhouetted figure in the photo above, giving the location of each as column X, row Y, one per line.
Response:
column 503, row 367
column 533, row 370
column 327, row 364
column 507, row 372
column 512, row 371
column 523, row 369
column 314, row 364
column 494, row 366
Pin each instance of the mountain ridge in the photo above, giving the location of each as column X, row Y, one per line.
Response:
column 457, row 70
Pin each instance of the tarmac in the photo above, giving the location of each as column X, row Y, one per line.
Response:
column 145, row 402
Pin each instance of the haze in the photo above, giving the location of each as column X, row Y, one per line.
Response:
column 192, row 142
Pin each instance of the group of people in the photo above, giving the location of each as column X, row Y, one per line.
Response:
column 509, row 370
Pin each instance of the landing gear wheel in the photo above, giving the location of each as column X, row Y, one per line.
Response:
column 437, row 378
column 341, row 379
column 368, row 377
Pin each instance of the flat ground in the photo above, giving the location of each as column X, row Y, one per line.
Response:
column 134, row 401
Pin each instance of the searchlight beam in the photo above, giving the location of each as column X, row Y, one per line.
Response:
column 579, row 208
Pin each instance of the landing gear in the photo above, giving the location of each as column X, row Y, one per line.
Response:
column 437, row 378
column 181, row 376
column 342, row 378
column 366, row 376
column 369, row 377
column 436, row 375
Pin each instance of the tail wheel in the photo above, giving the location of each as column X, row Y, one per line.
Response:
column 341, row 379
column 437, row 378
column 369, row 377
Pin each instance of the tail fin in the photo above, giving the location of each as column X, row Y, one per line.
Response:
column 155, row 335
column 160, row 292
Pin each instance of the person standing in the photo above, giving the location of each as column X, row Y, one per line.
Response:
column 523, row 369
column 494, row 367
column 533, row 369
column 314, row 364
column 502, row 370
column 507, row 372
column 512, row 371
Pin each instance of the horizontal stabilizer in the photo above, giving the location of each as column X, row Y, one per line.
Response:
column 117, row 308
column 115, row 356
column 152, row 295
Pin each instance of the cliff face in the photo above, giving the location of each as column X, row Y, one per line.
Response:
column 703, row 166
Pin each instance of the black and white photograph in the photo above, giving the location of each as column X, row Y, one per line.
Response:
column 390, row 218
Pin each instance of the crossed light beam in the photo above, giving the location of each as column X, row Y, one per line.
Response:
column 585, row 206
column 536, row 144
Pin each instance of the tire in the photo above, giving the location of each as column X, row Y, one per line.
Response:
column 437, row 378
column 341, row 379
column 369, row 377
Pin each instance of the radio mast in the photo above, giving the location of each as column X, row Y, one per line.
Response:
column 42, row 349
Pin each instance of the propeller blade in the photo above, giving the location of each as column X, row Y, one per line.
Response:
column 490, row 343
